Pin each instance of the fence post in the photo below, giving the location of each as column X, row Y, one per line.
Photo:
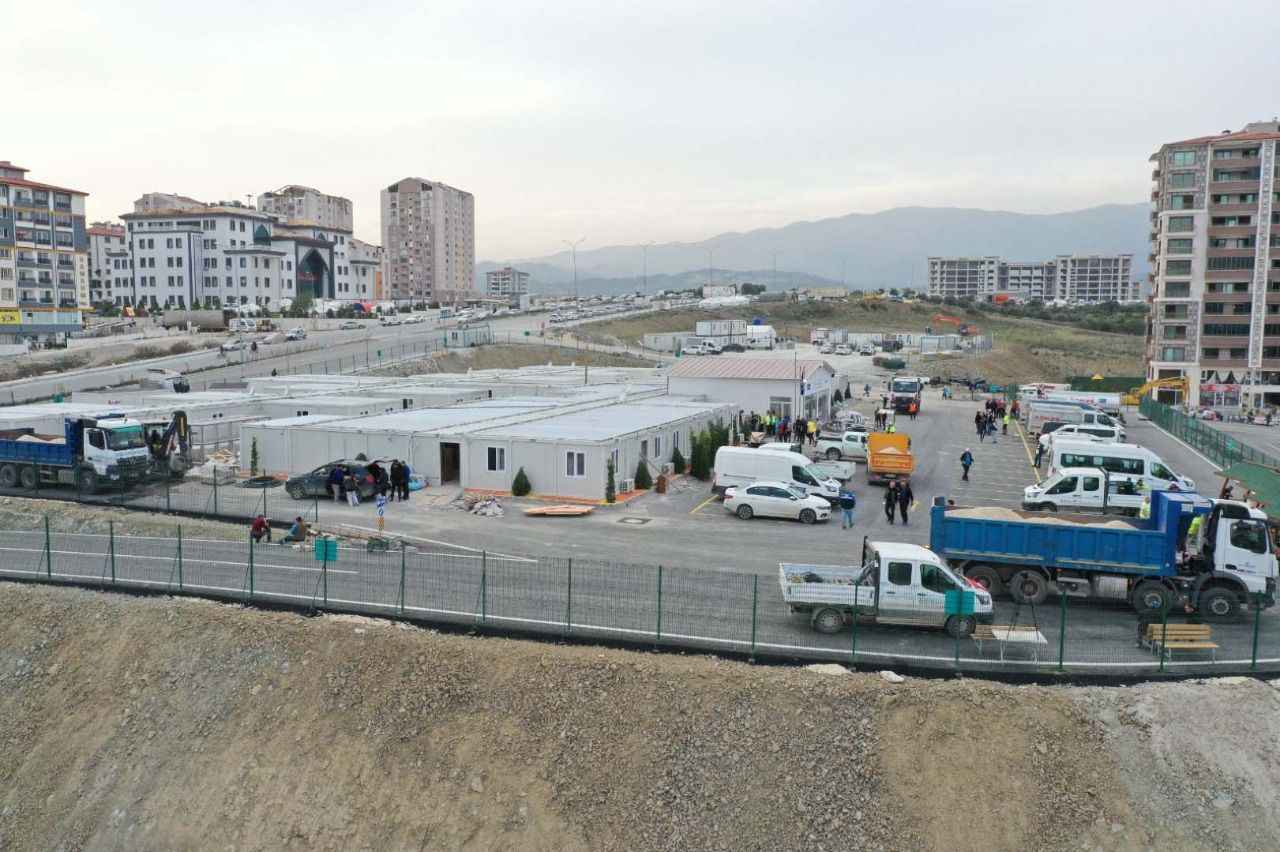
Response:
column 853, row 642
column 568, row 603
column 1257, row 623
column 179, row 557
column 484, row 579
column 1062, row 632
column 658, row 635
column 324, row 575
column 402, row 560
column 755, row 598
column 111, row 547
column 215, row 489
column 317, row 510
column 1164, row 632
column 250, row 567
column 168, row 504
column 48, row 551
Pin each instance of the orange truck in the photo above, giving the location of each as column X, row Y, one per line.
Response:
column 889, row 457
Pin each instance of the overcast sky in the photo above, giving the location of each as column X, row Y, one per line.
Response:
column 646, row 121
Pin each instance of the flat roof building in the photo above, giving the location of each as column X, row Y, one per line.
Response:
column 788, row 388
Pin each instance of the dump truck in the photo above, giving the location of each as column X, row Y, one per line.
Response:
column 889, row 457
column 1154, row 564
column 895, row 584
column 91, row 452
column 905, row 393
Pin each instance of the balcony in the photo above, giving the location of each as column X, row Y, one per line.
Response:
column 66, row 283
column 1155, row 174
column 63, row 206
column 67, row 303
column 66, row 263
column 27, row 302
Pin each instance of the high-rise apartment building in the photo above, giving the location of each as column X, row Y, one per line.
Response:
column 1072, row 279
column 428, row 241
column 309, row 205
column 506, row 282
column 110, row 278
column 1215, row 275
column 44, row 263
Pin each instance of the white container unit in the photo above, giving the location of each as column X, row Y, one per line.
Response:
column 275, row 444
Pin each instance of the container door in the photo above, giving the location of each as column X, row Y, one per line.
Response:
column 898, row 589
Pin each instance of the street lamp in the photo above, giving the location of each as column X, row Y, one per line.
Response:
column 573, row 253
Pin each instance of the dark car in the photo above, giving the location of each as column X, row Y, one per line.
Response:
column 733, row 347
column 316, row 483
column 1051, row 426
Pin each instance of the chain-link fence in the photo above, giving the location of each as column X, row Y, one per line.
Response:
column 659, row 605
column 1214, row 444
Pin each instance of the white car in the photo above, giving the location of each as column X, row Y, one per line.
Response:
column 389, row 320
column 350, row 325
column 415, row 319
column 844, row 349
column 868, row 349
column 232, row 346
column 826, row 349
column 775, row 500
column 296, row 333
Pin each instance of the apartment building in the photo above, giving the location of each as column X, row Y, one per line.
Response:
column 44, row 265
column 294, row 202
column 1215, row 275
column 1072, row 279
column 506, row 283
column 366, row 269
column 110, row 278
column 428, row 240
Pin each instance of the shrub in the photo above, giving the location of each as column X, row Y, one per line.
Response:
column 837, row 397
column 643, row 480
column 253, row 457
column 182, row 347
column 610, row 484
column 678, row 462
column 144, row 352
column 520, row 485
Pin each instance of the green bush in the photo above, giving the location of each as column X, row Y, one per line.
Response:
column 677, row 461
column 643, row 480
column 253, row 457
column 520, row 485
column 610, row 484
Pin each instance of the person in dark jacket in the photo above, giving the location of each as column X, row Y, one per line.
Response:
column 406, row 473
column 848, row 503
column 966, row 461
column 904, row 500
column 335, row 482
column 891, row 501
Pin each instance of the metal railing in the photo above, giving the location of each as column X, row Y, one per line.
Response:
column 652, row 605
column 1218, row 446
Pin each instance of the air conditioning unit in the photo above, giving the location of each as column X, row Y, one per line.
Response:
column 668, row 468
column 627, row 485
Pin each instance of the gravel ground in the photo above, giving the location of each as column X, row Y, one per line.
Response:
column 156, row 723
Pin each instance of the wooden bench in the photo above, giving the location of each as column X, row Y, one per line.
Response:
column 1006, row 634
column 1167, row 638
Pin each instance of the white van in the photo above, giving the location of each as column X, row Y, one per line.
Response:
column 1075, row 488
column 1041, row 411
column 1129, row 461
column 1095, row 432
column 737, row 466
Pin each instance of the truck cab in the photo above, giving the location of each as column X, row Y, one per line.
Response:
column 904, row 394
column 897, row 583
column 115, row 450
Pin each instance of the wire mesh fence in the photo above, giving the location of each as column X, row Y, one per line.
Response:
column 658, row 605
column 1223, row 449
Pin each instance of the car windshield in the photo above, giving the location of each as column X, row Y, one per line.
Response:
column 905, row 387
column 126, row 438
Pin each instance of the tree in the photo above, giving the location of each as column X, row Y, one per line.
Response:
column 520, row 485
column 677, row 461
column 837, row 397
column 643, row 480
column 253, row 457
column 610, row 484
column 749, row 289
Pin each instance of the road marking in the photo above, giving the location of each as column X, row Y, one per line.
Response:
column 1030, row 458
column 699, row 507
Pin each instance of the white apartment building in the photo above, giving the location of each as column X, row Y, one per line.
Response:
column 963, row 277
column 44, row 265
column 1093, row 279
column 110, row 279
column 152, row 201
column 506, row 282
column 294, row 202
column 1069, row 278
column 428, row 240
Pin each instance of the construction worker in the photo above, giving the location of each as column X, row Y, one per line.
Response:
column 1004, row 425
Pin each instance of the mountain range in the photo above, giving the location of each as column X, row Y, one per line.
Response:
column 862, row 250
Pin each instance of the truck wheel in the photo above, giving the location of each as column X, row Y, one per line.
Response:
column 8, row 476
column 833, row 454
column 807, row 516
column 960, row 626
column 1151, row 597
column 987, row 577
column 745, row 512
column 29, row 478
column 1219, row 604
column 827, row 620
column 1029, row 587
column 87, row 480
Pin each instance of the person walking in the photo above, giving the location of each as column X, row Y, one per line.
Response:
column 336, row 475
column 848, row 503
column 905, row 497
column 813, row 432
column 866, row 391
column 406, row 473
column 966, row 461
column 1039, row 453
column 1004, row 425
column 979, row 421
column 891, row 501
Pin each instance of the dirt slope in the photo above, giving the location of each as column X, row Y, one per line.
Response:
column 170, row 724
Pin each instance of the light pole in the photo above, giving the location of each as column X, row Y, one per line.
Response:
column 710, row 264
column 644, row 251
column 774, row 279
column 573, row 253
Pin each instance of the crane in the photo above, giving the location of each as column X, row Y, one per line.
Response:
column 1135, row 395
column 962, row 328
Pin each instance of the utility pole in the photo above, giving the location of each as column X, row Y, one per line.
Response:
column 710, row 264
column 573, row 253
column 774, row 279
column 644, row 250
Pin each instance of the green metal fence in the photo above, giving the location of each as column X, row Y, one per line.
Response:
column 1222, row 449
column 652, row 605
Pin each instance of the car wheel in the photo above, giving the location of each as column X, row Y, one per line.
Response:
column 29, row 478
column 833, row 454
column 295, row 490
column 8, row 476
column 745, row 512
column 808, row 516
column 960, row 626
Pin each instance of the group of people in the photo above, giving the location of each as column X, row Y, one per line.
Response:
column 261, row 529
column 781, row 427
column 345, row 483
column 897, row 500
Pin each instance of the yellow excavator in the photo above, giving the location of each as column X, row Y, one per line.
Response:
column 1135, row 395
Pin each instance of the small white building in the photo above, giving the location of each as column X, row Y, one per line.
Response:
column 785, row 386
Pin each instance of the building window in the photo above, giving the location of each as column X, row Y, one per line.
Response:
column 1173, row 353
column 1225, row 330
column 1182, row 180
column 1182, row 202
column 1214, row 307
column 497, row 458
column 575, row 464
column 1181, row 224
column 1178, row 247
column 1220, row 263
column 1177, row 267
column 1182, row 158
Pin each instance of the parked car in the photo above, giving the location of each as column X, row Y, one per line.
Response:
column 844, row 349
column 390, row 320
column 296, row 333
column 316, row 482
column 348, row 325
column 775, row 500
column 273, row 337
column 415, row 319
column 826, row 349
column 867, row 349
column 734, row 347
column 232, row 345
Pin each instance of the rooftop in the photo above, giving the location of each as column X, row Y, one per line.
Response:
column 1258, row 131
column 735, row 367
column 605, row 423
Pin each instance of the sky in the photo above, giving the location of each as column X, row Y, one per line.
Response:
column 622, row 123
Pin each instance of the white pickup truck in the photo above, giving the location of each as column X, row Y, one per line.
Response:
column 847, row 445
column 896, row 584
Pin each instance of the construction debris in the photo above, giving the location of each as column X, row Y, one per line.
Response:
column 480, row 504
column 558, row 511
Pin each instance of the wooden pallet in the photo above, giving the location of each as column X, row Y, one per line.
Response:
column 565, row 511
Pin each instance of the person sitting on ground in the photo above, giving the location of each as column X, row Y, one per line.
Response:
column 260, row 529
column 297, row 531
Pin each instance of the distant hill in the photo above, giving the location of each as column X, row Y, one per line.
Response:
column 868, row 250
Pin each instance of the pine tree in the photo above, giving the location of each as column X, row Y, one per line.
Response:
column 520, row 485
column 677, row 461
column 610, row 484
column 643, row 480
column 253, row 457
